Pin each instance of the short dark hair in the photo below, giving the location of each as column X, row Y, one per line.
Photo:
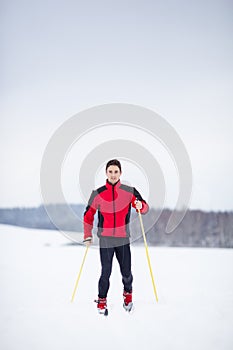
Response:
column 113, row 162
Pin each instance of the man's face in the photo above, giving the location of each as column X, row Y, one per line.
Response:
column 113, row 174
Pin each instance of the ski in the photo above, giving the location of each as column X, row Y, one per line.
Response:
column 103, row 312
column 129, row 307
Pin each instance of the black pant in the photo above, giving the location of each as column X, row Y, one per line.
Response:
column 123, row 255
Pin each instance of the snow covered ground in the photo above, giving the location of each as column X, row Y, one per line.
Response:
column 38, row 270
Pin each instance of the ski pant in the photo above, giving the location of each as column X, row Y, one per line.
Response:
column 123, row 255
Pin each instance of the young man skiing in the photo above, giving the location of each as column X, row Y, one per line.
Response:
column 113, row 202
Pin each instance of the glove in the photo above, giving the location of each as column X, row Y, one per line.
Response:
column 87, row 241
column 138, row 204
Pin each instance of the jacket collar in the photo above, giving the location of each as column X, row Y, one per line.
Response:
column 110, row 185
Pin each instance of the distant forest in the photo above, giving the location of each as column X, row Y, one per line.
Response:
column 197, row 229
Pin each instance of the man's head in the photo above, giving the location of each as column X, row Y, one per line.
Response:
column 113, row 170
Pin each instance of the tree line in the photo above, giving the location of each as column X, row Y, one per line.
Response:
column 197, row 229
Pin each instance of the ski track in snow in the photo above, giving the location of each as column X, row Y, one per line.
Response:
column 38, row 270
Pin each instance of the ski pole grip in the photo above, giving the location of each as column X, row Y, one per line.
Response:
column 139, row 210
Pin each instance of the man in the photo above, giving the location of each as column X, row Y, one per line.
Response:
column 113, row 202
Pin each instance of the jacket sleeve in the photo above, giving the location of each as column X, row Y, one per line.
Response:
column 88, row 217
column 136, row 195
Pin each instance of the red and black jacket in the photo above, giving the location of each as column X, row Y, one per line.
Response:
column 113, row 203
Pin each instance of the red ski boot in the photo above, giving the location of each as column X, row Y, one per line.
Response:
column 128, row 304
column 102, row 306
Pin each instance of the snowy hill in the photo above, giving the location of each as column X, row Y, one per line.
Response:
column 38, row 270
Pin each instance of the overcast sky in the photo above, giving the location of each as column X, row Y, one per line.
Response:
column 61, row 57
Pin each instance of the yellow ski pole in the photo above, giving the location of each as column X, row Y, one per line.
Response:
column 78, row 278
column 147, row 254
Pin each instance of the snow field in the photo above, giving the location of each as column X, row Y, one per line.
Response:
column 38, row 270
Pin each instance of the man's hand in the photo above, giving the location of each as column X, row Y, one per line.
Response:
column 88, row 241
column 138, row 204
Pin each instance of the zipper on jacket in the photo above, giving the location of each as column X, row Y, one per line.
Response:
column 114, row 210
